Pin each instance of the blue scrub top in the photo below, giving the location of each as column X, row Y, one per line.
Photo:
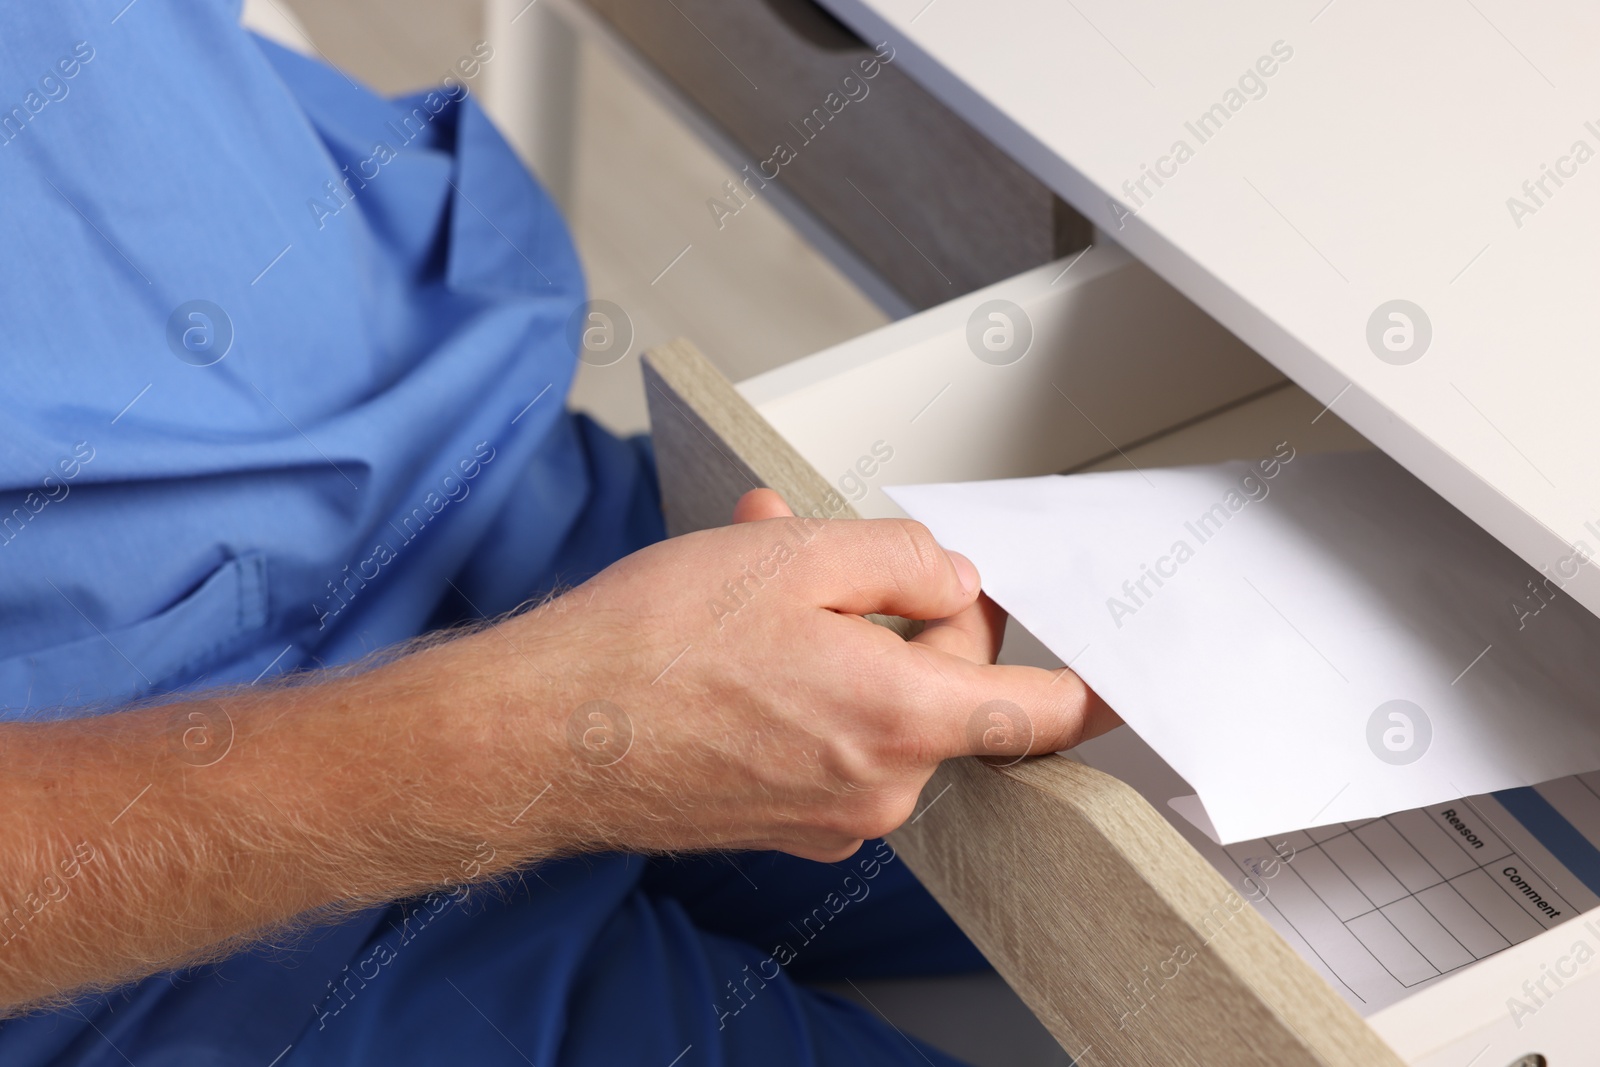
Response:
column 283, row 360
column 284, row 371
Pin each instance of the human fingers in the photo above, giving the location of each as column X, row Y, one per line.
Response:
column 974, row 633
column 760, row 504
column 880, row 566
column 1006, row 710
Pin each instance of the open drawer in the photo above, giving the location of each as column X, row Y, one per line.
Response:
column 1077, row 887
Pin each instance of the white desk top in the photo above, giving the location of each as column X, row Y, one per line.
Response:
column 1375, row 163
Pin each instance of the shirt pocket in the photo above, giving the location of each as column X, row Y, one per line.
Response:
column 155, row 654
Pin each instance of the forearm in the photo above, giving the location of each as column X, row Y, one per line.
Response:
column 623, row 715
column 145, row 839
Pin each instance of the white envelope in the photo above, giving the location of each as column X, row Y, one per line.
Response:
column 1306, row 639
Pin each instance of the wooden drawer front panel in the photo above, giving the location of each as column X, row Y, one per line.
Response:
column 923, row 198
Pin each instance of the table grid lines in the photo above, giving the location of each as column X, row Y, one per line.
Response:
column 1417, row 921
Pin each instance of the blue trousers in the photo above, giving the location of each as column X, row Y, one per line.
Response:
column 593, row 961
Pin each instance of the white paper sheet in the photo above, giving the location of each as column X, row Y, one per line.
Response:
column 1255, row 629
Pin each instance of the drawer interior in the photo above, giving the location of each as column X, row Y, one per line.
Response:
column 1121, row 369
column 1121, row 372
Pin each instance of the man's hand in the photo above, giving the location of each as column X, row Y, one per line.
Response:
column 723, row 690
column 719, row 690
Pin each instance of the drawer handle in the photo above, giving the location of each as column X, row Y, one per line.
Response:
column 816, row 25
